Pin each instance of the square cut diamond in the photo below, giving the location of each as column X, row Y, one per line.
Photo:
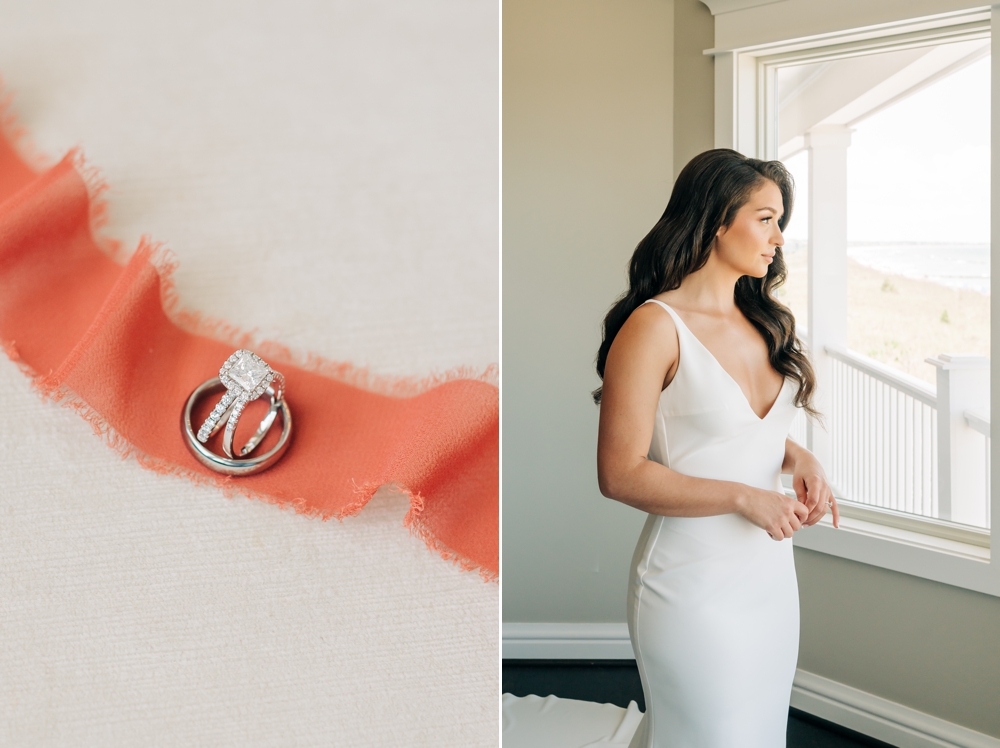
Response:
column 248, row 371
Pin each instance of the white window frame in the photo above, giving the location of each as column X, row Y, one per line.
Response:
column 925, row 548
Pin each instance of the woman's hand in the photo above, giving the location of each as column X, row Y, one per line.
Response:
column 772, row 511
column 812, row 488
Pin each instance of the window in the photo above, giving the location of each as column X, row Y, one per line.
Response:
column 887, row 131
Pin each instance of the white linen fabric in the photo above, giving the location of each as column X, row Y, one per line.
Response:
column 713, row 607
column 327, row 175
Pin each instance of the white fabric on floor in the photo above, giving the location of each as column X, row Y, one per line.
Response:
column 327, row 173
column 551, row 722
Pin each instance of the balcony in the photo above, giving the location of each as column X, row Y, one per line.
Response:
column 897, row 449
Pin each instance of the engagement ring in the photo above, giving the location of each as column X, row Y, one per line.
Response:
column 245, row 377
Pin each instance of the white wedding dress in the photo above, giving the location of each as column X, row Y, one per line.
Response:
column 713, row 606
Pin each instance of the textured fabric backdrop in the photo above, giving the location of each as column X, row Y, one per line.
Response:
column 326, row 173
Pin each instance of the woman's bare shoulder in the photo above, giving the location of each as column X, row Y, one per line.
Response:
column 650, row 334
column 650, row 319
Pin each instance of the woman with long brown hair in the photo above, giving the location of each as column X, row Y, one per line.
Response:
column 702, row 375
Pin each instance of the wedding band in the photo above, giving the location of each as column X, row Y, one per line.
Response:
column 248, row 465
column 252, row 379
column 829, row 503
column 246, row 376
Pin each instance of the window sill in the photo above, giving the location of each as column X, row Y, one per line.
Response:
column 918, row 530
column 948, row 560
column 912, row 538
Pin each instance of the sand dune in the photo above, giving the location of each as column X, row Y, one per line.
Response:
column 900, row 321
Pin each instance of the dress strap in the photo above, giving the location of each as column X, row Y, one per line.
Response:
column 678, row 322
column 679, row 325
column 657, row 301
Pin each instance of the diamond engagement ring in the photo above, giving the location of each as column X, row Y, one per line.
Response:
column 245, row 377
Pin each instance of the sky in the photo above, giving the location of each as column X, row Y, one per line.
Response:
column 918, row 171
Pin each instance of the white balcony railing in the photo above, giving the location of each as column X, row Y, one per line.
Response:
column 883, row 436
column 898, row 443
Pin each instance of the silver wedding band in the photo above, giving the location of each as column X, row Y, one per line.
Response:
column 226, row 413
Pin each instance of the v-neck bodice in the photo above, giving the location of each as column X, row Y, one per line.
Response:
column 703, row 416
column 682, row 325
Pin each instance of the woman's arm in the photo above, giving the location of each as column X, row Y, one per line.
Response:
column 644, row 352
column 810, row 483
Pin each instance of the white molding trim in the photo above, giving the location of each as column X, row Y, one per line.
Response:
column 880, row 718
column 827, row 699
column 742, row 32
column 566, row 641
column 728, row 6
column 905, row 551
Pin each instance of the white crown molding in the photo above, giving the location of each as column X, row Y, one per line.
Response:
column 728, row 6
column 827, row 699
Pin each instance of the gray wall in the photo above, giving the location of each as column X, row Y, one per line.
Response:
column 694, row 81
column 604, row 101
column 927, row 645
column 587, row 122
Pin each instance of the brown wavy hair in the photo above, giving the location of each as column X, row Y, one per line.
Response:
column 708, row 193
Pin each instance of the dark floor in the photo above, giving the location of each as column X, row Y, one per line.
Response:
column 617, row 682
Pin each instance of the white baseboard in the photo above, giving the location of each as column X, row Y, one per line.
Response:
column 566, row 641
column 827, row 699
column 880, row 718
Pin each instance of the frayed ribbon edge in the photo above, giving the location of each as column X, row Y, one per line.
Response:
column 418, row 527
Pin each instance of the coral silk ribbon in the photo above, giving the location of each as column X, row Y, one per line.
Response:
column 97, row 336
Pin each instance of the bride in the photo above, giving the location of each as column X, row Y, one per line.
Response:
column 702, row 375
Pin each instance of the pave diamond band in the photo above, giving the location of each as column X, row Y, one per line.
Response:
column 214, row 420
column 245, row 377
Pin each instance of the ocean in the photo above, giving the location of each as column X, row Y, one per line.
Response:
column 953, row 265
